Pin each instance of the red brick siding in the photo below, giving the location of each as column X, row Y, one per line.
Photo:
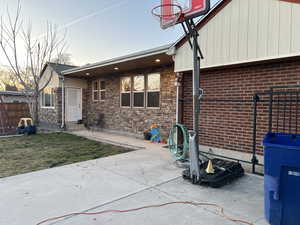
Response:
column 229, row 125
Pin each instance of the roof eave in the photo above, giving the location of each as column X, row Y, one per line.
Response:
column 139, row 55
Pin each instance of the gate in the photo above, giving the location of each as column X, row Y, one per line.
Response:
column 10, row 114
column 281, row 104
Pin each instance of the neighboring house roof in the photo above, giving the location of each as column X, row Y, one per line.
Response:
column 57, row 67
column 138, row 55
column 61, row 67
column 16, row 93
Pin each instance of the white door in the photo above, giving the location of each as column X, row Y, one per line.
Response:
column 73, row 104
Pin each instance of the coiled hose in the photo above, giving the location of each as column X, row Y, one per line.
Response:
column 179, row 150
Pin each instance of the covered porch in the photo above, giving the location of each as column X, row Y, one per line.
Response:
column 126, row 94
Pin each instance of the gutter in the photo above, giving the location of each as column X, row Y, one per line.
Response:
column 138, row 55
column 63, row 102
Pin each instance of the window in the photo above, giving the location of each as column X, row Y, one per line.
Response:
column 95, row 91
column 126, row 91
column 47, row 98
column 134, row 91
column 102, row 90
column 153, row 90
column 99, row 90
column 138, row 91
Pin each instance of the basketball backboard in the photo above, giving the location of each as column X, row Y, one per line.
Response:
column 176, row 11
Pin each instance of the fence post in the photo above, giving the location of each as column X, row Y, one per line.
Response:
column 271, row 110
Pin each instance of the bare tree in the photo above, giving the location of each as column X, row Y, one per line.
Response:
column 27, row 67
column 7, row 79
column 64, row 58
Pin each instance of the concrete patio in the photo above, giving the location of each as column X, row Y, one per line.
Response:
column 142, row 177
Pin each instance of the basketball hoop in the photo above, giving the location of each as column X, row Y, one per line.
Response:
column 168, row 14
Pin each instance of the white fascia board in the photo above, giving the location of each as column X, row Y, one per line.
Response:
column 241, row 62
column 138, row 55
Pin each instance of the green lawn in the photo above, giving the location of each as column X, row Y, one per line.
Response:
column 30, row 153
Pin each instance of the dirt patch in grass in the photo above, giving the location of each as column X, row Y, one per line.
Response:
column 30, row 153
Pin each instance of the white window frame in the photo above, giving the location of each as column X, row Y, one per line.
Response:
column 95, row 91
column 52, row 99
column 101, row 90
column 158, row 90
column 133, row 92
column 124, row 92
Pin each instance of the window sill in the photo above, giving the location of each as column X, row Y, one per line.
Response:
column 153, row 108
column 47, row 107
column 144, row 108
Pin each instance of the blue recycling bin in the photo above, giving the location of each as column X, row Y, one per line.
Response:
column 282, row 178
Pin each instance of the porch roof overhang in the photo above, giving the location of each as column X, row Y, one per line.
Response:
column 141, row 60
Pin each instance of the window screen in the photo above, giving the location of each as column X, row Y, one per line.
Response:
column 126, row 91
column 138, row 99
column 95, row 91
column 153, row 99
column 153, row 90
column 102, row 85
column 138, row 91
column 47, row 97
column 125, row 99
column 102, row 90
column 95, row 95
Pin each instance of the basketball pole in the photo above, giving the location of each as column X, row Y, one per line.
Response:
column 192, row 35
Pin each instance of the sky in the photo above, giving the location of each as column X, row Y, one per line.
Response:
column 97, row 29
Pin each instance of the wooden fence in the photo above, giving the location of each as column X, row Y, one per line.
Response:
column 10, row 114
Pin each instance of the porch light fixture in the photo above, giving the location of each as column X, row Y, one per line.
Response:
column 157, row 60
column 87, row 74
column 116, row 68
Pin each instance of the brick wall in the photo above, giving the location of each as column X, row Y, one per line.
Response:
column 228, row 125
column 133, row 120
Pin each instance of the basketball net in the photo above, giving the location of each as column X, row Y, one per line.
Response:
column 168, row 14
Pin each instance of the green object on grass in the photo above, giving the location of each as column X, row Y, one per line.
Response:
column 179, row 150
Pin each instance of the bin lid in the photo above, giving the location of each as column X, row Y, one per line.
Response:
column 282, row 140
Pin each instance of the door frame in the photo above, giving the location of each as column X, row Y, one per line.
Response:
column 67, row 104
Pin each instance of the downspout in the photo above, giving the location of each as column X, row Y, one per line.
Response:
column 178, row 105
column 63, row 102
column 172, row 52
column 177, row 102
column 178, row 95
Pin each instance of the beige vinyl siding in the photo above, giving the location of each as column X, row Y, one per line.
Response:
column 75, row 83
column 245, row 31
column 53, row 83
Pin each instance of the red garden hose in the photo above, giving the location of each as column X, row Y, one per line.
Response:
column 221, row 211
